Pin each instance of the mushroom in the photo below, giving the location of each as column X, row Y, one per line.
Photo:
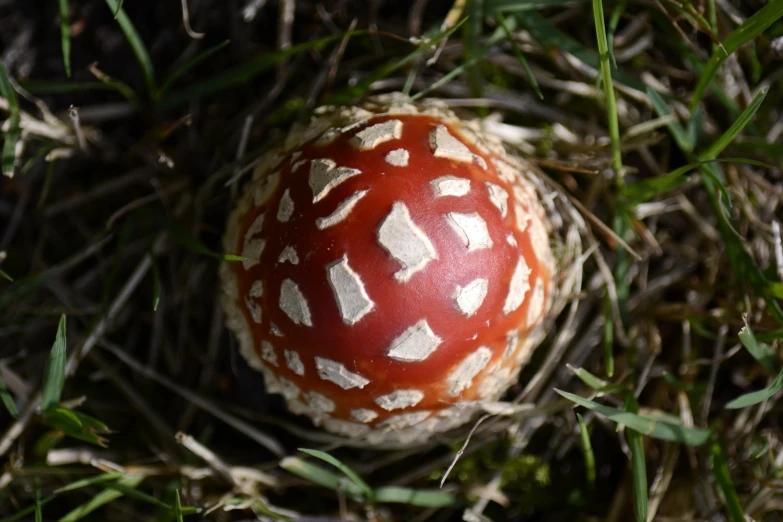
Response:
column 397, row 270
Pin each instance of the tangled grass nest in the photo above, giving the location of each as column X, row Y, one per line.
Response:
column 656, row 393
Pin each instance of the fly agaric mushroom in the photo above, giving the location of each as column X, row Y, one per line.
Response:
column 397, row 270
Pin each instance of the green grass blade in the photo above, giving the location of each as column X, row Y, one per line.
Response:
column 178, row 507
column 750, row 29
column 496, row 37
column 11, row 138
column 757, row 397
column 739, row 124
column 763, row 353
column 83, row 483
column 664, row 429
column 606, row 75
column 38, row 505
column 587, row 449
column 104, row 497
column 415, row 497
column 54, row 373
column 7, row 399
column 137, row 44
column 639, row 474
column 184, row 237
column 245, row 72
column 155, row 283
column 321, row 476
column 5, row 276
column 678, row 132
column 40, row 87
column 356, row 479
column 185, row 67
column 65, row 36
column 510, row 6
column 520, row 57
column 720, row 469
column 350, row 93
column 552, row 39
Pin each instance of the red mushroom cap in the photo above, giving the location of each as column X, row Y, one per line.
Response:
column 397, row 266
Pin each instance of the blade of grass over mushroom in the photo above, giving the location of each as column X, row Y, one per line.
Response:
column 587, row 449
column 178, row 507
column 356, row 479
column 137, row 44
column 321, row 476
column 757, row 397
column 187, row 66
column 749, row 30
column 54, row 372
column 65, row 36
column 11, row 137
column 5, row 276
column 659, row 429
column 493, row 40
column 247, row 71
column 38, row 505
column 720, row 470
column 520, row 57
column 350, row 93
column 763, row 353
column 414, row 497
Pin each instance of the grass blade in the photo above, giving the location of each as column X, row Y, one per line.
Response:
column 155, row 283
column 606, row 75
column 664, row 429
column 509, row 6
column 746, row 32
column 684, row 140
column 8, row 92
column 185, row 67
column 415, row 497
column 520, row 57
column 587, row 449
column 245, row 72
column 740, row 123
column 7, row 399
column 348, row 94
column 65, row 36
column 763, row 353
column 356, row 479
column 104, row 497
column 756, row 397
column 136, row 43
column 728, row 493
column 54, row 373
column 321, row 476
column 639, row 474
column 183, row 236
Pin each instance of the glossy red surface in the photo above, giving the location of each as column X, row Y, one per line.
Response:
column 429, row 294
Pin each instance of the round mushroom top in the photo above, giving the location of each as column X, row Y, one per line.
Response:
column 394, row 267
